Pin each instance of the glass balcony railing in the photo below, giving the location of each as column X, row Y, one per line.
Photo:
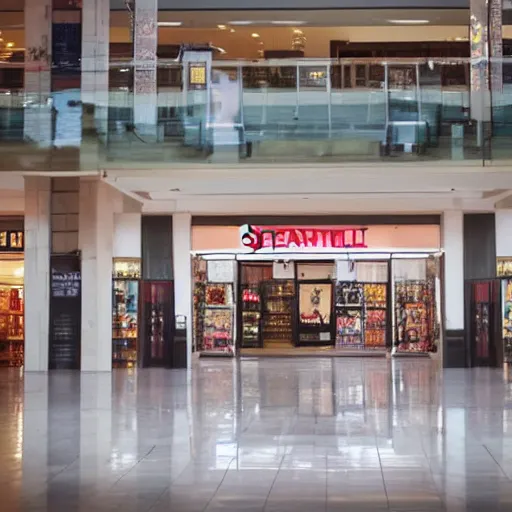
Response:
column 283, row 111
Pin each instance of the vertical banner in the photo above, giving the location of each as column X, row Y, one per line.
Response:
column 65, row 312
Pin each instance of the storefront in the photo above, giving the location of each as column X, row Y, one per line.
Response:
column 371, row 287
column 12, row 331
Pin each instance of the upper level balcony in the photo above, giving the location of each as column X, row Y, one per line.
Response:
column 336, row 87
column 261, row 112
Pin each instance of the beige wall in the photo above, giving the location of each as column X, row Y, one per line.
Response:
column 217, row 238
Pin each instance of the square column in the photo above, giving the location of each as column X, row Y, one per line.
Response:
column 95, row 60
column 454, row 353
column 145, row 97
column 96, row 228
column 38, row 43
column 181, row 246
column 37, row 272
column 503, row 233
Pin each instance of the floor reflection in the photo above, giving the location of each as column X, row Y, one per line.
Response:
column 262, row 434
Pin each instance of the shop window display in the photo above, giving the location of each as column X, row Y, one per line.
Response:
column 125, row 312
column 349, row 315
column 200, row 278
column 12, row 330
column 218, row 329
column 361, row 315
column 251, row 316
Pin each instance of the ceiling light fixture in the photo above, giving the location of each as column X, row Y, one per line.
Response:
column 255, row 35
column 241, row 22
column 285, row 22
column 221, row 27
column 232, row 30
column 170, row 23
column 409, row 22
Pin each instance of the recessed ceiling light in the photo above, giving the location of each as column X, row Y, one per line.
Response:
column 240, row 22
column 255, row 35
column 232, row 30
column 170, row 23
column 409, row 22
column 285, row 22
column 221, row 27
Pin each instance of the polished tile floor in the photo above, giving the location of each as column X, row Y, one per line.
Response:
column 258, row 435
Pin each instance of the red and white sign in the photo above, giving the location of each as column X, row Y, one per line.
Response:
column 283, row 237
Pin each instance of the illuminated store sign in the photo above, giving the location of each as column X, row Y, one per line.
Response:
column 11, row 241
column 279, row 237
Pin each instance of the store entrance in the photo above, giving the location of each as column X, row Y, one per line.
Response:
column 285, row 304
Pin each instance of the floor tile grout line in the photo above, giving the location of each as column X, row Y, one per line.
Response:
column 133, row 467
column 273, row 482
column 382, row 474
column 439, row 491
column 220, row 483
column 495, row 460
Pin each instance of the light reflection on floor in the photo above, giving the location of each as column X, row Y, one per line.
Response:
column 260, row 434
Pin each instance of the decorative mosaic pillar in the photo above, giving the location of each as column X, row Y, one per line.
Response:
column 95, row 61
column 145, row 100
column 37, row 111
column 485, row 40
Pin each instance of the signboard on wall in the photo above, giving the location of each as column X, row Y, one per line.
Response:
column 12, row 241
column 282, row 237
column 65, row 313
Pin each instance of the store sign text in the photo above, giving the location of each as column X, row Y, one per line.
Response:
column 267, row 237
column 11, row 241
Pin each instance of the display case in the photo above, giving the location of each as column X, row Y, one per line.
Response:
column 278, row 312
column 412, row 300
column 315, row 312
column 251, row 317
column 349, row 315
column 375, row 315
column 218, row 321
column 11, row 325
column 125, row 312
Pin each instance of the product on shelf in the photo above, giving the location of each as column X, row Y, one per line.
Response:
column 278, row 311
column 218, row 330
column 375, row 295
column 251, row 316
column 218, row 295
column 349, row 328
column 11, row 326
